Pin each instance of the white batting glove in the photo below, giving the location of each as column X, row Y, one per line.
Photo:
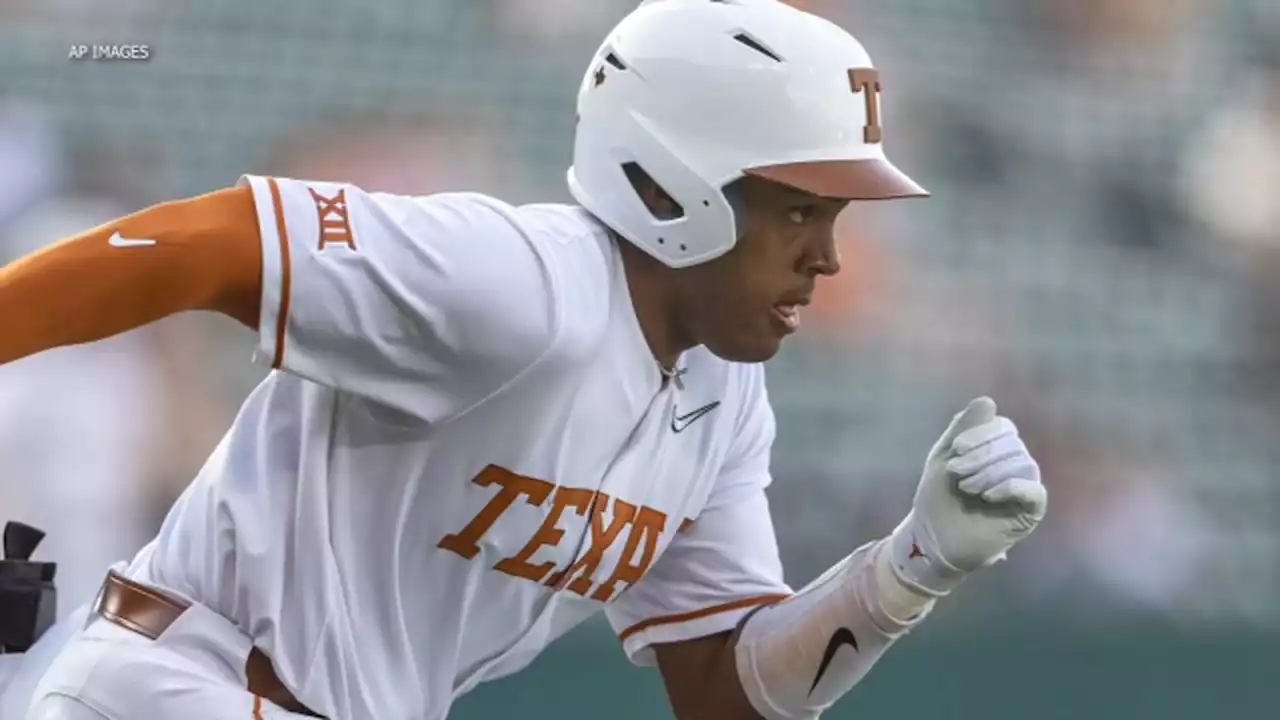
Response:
column 979, row 495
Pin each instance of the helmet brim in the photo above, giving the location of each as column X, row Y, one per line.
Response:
column 869, row 179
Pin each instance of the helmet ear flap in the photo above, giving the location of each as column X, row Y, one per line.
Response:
column 618, row 149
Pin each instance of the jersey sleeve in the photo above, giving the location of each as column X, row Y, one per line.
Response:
column 424, row 304
column 723, row 565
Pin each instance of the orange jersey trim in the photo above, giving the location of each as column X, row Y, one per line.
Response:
column 282, row 233
column 704, row 612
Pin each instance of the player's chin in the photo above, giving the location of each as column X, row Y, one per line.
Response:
column 749, row 347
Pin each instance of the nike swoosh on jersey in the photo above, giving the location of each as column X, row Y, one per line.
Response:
column 118, row 240
column 842, row 636
column 679, row 423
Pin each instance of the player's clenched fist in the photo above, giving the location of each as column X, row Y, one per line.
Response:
column 979, row 495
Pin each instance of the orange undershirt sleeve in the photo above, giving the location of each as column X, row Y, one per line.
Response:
column 202, row 253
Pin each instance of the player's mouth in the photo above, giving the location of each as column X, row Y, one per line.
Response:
column 786, row 314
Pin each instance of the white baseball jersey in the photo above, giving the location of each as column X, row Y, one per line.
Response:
column 467, row 448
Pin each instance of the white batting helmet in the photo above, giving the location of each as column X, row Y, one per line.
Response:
column 699, row 93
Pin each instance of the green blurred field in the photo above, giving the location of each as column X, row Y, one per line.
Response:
column 1026, row 671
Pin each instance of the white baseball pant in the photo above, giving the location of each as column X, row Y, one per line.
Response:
column 194, row 670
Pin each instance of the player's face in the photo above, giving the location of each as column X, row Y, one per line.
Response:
column 741, row 305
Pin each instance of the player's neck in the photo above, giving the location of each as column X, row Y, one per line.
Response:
column 649, row 284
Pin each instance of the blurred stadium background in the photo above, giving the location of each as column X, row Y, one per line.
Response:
column 1098, row 255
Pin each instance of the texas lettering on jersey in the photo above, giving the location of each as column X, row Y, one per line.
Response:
column 643, row 527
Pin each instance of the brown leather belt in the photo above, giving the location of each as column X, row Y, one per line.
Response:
column 149, row 613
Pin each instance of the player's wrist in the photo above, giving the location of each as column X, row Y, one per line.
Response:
column 903, row 604
column 916, row 560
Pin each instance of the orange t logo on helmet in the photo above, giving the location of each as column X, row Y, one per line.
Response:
column 867, row 81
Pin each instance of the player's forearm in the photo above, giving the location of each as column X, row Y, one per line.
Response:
column 199, row 253
column 701, row 678
column 796, row 657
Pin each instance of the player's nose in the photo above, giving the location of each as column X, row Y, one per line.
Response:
column 823, row 256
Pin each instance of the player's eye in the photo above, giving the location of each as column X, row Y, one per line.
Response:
column 802, row 214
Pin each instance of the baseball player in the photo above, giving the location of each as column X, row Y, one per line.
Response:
column 486, row 423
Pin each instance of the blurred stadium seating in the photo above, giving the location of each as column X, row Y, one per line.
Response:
column 1099, row 255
